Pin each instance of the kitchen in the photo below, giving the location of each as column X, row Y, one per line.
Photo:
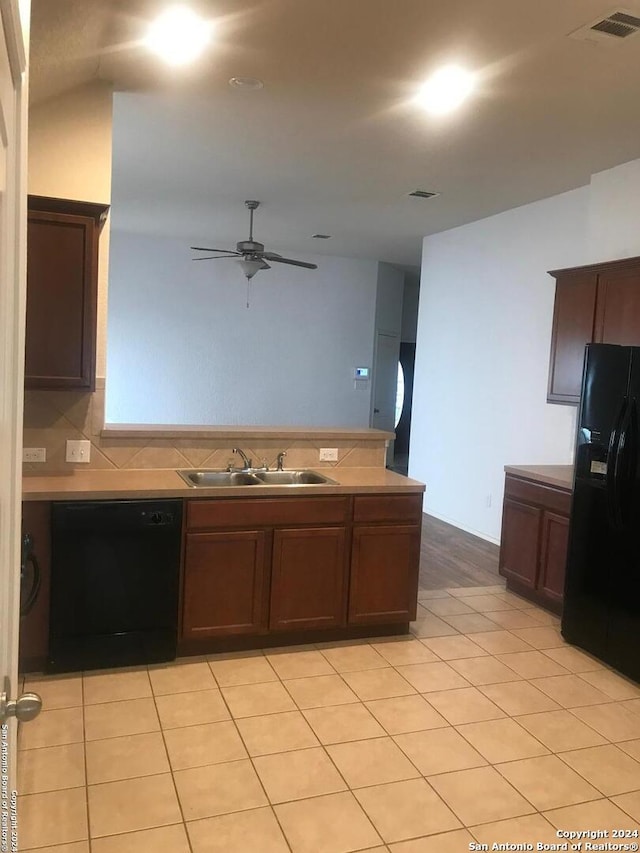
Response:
column 513, row 424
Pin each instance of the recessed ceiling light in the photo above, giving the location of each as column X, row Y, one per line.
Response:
column 178, row 35
column 249, row 84
column 446, row 89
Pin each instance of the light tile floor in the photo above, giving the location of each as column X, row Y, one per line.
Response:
column 482, row 725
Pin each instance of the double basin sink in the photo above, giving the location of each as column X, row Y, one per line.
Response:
column 213, row 479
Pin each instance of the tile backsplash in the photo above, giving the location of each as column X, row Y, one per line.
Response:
column 53, row 417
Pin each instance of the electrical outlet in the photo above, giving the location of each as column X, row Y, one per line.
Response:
column 34, row 454
column 78, row 451
column 328, row 454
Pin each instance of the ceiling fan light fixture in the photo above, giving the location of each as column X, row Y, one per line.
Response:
column 178, row 35
column 251, row 266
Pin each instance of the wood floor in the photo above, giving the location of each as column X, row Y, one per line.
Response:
column 449, row 557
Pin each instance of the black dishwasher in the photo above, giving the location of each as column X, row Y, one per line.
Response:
column 114, row 583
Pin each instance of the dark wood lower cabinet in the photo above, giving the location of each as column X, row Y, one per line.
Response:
column 553, row 555
column 520, row 546
column 385, row 563
column 308, row 579
column 224, row 581
column 535, row 539
column 310, row 570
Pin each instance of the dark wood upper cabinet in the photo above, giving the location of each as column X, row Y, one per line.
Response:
column 594, row 304
column 62, row 285
column 573, row 317
column 618, row 307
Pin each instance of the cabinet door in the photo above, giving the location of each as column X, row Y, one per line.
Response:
column 553, row 554
column 520, row 542
column 34, row 624
column 573, row 319
column 224, row 582
column 308, row 579
column 385, row 562
column 62, row 283
column 618, row 307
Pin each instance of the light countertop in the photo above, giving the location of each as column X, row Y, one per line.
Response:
column 166, row 483
column 560, row 476
column 244, row 432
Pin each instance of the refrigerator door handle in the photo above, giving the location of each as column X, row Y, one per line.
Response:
column 627, row 450
column 613, row 467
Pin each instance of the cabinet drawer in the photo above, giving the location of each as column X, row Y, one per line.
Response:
column 265, row 512
column 392, row 508
column 546, row 497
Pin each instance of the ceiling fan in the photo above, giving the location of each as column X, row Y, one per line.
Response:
column 250, row 254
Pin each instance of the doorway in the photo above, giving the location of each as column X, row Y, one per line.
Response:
column 406, row 367
column 385, row 383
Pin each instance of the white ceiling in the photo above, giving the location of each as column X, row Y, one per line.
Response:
column 331, row 143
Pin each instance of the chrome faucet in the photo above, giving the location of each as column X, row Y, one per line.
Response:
column 281, row 456
column 245, row 458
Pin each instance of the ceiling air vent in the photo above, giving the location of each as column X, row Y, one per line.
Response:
column 619, row 24
column 423, row 194
column 321, row 236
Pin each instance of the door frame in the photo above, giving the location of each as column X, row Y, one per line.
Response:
column 14, row 20
column 380, row 332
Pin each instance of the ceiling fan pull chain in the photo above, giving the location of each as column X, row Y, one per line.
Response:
column 248, row 290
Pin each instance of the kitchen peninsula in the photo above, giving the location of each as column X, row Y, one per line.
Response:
column 261, row 565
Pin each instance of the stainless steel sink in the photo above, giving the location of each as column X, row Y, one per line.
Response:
column 213, row 479
column 292, row 478
column 207, row 479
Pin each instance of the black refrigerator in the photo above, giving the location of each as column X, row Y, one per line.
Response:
column 602, row 590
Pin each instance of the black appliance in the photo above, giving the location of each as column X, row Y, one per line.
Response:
column 114, row 583
column 602, row 590
column 30, row 576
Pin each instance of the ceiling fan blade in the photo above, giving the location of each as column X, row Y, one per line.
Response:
column 280, row 260
column 204, row 249
column 215, row 257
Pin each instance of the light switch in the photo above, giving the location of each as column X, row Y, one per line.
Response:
column 78, row 451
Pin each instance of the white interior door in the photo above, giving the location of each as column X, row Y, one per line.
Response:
column 13, row 94
column 385, row 382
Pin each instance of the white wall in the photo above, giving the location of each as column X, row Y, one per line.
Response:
column 70, row 157
column 614, row 213
column 410, row 301
column 389, row 299
column 183, row 347
column 484, row 326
